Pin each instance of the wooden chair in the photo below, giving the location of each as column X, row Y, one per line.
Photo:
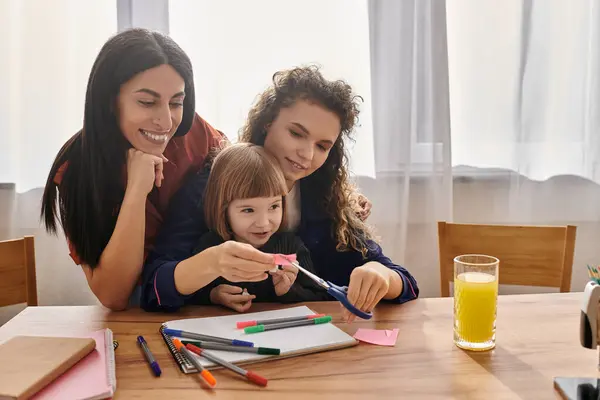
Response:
column 529, row 255
column 17, row 272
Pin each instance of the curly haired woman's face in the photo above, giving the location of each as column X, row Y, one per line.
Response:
column 301, row 137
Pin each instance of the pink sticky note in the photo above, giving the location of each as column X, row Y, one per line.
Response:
column 381, row 337
column 283, row 259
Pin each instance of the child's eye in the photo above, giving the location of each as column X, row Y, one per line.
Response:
column 294, row 133
column 275, row 206
column 146, row 103
column 247, row 210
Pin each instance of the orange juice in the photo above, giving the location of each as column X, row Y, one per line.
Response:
column 475, row 295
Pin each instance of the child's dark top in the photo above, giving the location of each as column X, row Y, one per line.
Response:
column 303, row 289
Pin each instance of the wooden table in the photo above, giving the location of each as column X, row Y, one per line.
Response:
column 538, row 339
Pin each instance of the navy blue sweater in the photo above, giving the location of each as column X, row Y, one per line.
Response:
column 185, row 225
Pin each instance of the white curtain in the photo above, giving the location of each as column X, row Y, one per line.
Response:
column 524, row 87
column 413, row 185
column 236, row 46
column 524, row 101
column 484, row 112
column 47, row 49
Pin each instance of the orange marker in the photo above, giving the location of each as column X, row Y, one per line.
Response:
column 252, row 376
column 204, row 373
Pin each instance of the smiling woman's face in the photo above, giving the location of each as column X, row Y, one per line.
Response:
column 151, row 108
column 301, row 137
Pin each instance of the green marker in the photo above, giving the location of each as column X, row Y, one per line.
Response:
column 236, row 349
column 270, row 327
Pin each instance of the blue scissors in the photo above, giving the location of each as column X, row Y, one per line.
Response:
column 340, row 293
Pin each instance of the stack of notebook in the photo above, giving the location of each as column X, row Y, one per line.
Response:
column 42, row 367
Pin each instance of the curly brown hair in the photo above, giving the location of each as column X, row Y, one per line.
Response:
column 330, row 183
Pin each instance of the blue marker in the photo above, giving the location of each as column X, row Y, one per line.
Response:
column 207, row 338
column 149, row 356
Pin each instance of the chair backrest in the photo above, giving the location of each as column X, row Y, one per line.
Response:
column 17, row 272
column 529, row 255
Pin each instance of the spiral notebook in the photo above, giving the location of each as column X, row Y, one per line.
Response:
column 91, row 378
column 293, row 342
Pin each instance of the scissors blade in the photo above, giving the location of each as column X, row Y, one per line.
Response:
column 312, row 276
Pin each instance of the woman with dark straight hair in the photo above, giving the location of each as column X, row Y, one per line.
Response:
column 112, row 181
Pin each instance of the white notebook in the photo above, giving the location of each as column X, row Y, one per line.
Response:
column 291, row 341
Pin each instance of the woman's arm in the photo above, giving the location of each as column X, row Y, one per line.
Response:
column 178, row 236
column 369, row 279
column 339, row 267
column 168, row 284
column 402, row 285
column 114, row 277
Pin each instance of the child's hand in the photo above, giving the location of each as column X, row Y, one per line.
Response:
column 367, row 287
column 283, row 279
column 232, row 296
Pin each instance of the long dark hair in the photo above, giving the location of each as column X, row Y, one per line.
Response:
column 330, row 183
column 92, row 185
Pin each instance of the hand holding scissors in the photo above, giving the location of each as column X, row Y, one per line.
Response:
column 368, row 285
column 340, row 293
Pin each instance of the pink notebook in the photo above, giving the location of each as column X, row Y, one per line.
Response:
column 91, row 378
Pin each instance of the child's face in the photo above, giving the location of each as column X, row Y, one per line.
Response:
column 254, row 221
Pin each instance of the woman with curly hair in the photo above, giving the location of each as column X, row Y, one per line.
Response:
column 302, row 120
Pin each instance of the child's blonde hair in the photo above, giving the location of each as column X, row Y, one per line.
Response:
column 240, row 171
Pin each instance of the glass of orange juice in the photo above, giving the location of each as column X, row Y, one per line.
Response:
column 475, row 298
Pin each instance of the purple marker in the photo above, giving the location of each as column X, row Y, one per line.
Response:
column 149, row 356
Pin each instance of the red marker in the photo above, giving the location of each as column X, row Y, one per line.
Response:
column 245, row 324
column 259, row 380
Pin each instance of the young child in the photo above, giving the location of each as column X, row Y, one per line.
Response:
column 244, row 201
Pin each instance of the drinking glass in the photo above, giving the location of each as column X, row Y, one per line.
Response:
column 475, row 300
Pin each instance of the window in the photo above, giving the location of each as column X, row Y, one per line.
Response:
column 236, row 46
column 523, row 86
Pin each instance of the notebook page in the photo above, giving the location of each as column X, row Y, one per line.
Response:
column 294, row 340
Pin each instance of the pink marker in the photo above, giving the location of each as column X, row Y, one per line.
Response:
column 245, row 324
